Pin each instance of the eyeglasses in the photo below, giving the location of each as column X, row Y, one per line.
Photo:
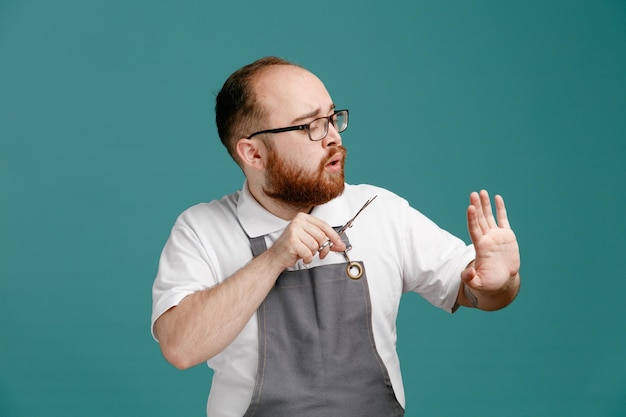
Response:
column 318, row 128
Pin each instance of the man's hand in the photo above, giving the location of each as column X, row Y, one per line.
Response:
column 303, row 238
column 493, row 277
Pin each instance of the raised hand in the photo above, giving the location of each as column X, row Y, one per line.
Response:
column 497, row 260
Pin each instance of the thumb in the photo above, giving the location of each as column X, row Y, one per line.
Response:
column 468, row 273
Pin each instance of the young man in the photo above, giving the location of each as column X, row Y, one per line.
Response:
column 296, row 316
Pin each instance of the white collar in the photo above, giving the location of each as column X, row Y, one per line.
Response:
column 257, row 221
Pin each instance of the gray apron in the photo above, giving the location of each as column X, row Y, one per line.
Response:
column 317, row 355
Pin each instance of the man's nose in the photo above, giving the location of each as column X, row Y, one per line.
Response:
column 333, row 138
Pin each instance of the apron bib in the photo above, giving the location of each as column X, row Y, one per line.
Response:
column 317, row 355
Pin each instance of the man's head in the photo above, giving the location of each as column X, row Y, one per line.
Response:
column 237, row 111
column 283, row 164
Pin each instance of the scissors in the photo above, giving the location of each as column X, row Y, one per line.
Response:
column 348, row 224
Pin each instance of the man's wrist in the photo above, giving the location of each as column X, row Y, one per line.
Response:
column 470, row 296
column 495, row 299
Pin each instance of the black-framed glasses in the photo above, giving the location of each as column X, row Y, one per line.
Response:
column 318, row 128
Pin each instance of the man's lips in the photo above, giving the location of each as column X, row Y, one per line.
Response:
column 334, row 163
column 335, row 159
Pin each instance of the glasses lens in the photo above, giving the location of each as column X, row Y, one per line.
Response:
column 340, row 120
column 318, row 129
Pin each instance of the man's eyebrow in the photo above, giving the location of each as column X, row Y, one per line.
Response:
column 311, row 114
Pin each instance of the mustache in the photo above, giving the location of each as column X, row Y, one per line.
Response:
column 334, row 151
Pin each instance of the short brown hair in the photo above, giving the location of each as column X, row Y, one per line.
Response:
column 236, row 111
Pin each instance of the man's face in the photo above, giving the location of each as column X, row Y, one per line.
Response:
column 298, row 171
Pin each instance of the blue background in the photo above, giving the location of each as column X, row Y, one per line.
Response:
column 107, row 134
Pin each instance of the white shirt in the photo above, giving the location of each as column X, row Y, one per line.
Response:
column 402, row 251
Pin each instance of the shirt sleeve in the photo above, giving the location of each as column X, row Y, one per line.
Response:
column 183, row 269
column 433, row 260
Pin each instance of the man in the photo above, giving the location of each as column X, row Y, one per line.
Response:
column 295, row 316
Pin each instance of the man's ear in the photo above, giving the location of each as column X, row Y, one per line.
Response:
column 251, row 153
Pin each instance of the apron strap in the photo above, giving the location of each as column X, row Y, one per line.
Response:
column 258, row 245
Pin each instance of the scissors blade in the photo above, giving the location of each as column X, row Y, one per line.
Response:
column 349, row 223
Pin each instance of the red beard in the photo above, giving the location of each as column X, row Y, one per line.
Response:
column 299, row 188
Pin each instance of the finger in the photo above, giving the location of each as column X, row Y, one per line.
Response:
column 337, row 247
column 473, row 225
column 307, row 259
column 475, row 201
column 487, row 210
column 503, row 219
column 303, row 238
column 325, row 233
column 468, row 274
column 316, row 229
column 337, row 244
column 325, row 245
column 307, row 248
column 325, row 250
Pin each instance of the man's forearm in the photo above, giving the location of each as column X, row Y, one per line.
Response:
column 205, row 322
